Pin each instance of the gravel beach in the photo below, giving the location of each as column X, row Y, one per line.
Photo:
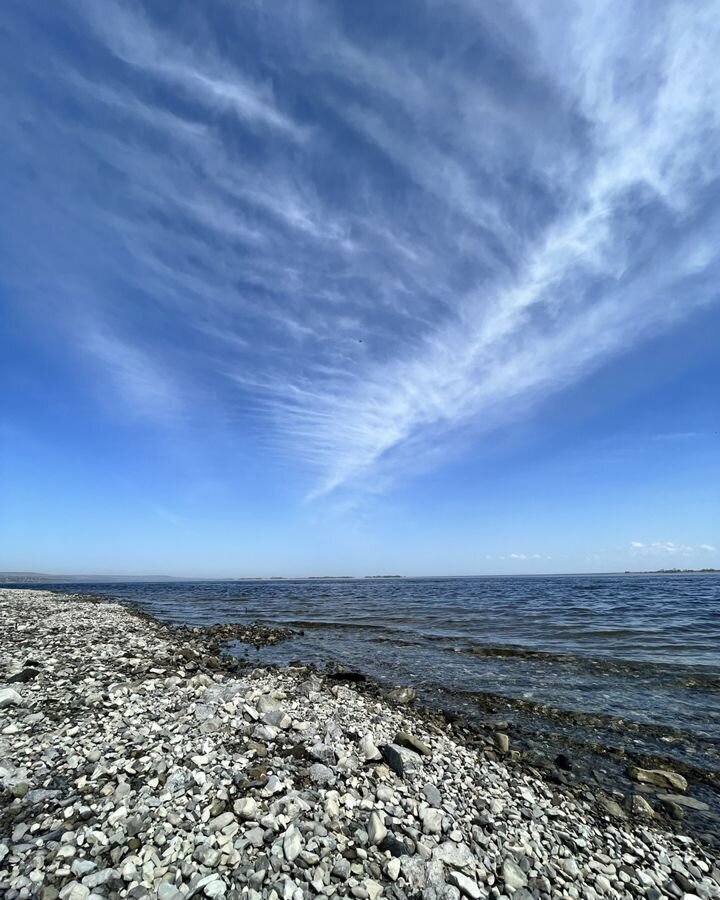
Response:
column 136, row 761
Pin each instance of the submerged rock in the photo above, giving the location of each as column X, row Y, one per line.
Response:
column 683, row 800
column 401, row 695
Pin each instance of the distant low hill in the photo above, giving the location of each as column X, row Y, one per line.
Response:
column 41, row 577
column 671, row 571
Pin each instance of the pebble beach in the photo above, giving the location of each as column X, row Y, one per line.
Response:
column 138, row 761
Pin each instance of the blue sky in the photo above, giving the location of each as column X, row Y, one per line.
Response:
column 410, row 287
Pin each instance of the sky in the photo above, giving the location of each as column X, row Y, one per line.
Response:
column 338, row 288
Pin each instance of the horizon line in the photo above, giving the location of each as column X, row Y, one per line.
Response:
column 10, row 577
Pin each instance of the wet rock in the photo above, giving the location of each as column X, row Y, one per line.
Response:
column 347, row 676
column 674, row 810
column 682, row 800
column 660, row 777
column 402, row 695
column 639, row 806
column 612, row 807
column 502, row 741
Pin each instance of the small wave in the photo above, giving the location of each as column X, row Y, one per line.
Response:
column 513, row 651
column 334, row 625
column 600, row 664
column 700, row 682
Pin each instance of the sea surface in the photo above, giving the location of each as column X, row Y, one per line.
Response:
column 614, row 650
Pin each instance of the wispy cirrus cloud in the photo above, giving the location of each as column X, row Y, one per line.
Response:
column 668, row 548
column 370, row 246
column 186, row 65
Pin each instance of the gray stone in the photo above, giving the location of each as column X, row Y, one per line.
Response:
column 660, row 777
column 410, row 742
column 682, row 800
column 432, row 821
column 104, row 876
column 220, row 822
column 292, row 843
column 401, row 760
column 323, row 753
column 9, row 697
column 467, row 886
column 570, row 867
column 414, row 872
column 392, row 869
column 321, row 774
column 272, row 787
column 456, row 856
column 612, row 807
column 206, row 855
column 376, row 829
column 368, row 749
column 432, row 795
column 74, row 891
column 403, row 695
column 603, row 884
column 255, row 837
column 502, row 741
column 277, row 718
column 639, row 806
column 246, row 808
column 82, row 867
column 167, row 891
column 513, row 875
column 341, row 869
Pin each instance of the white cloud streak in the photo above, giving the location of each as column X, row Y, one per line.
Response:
column 131, row 36
column 668, row 548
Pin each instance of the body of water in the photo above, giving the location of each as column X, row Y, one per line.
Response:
column 641, row 649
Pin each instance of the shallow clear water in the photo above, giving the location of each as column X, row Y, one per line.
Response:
column 643, row 647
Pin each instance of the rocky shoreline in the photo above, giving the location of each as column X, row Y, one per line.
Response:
column 138, row 761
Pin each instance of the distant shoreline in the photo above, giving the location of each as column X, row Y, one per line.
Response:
column 672, row 572
column 10, row 578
